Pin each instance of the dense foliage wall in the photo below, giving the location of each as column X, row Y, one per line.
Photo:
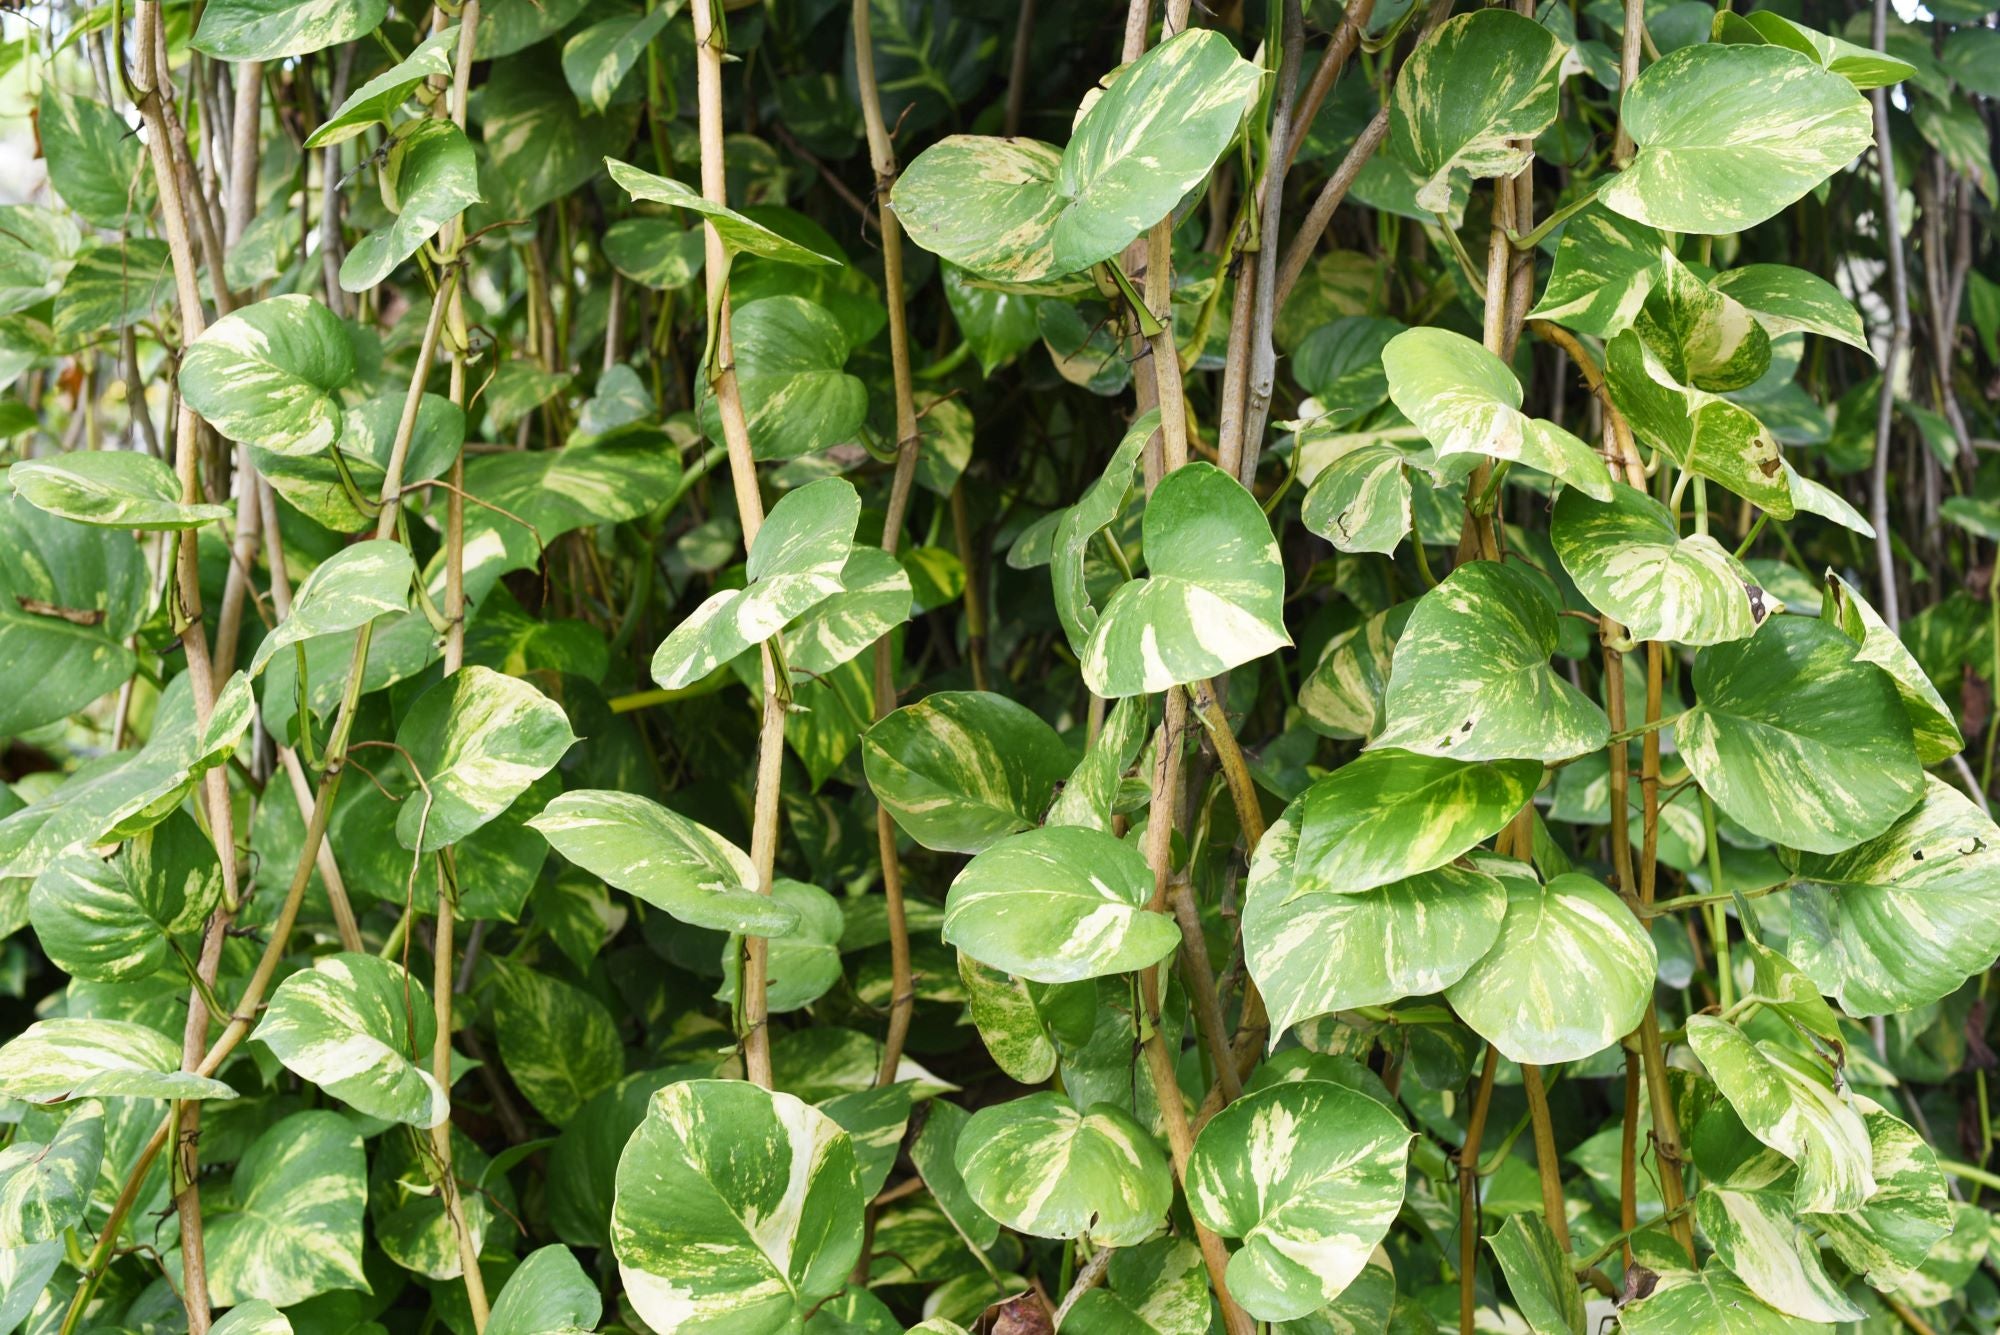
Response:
column 796, row 668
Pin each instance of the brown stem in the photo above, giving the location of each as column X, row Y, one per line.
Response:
column 441, row 998
column 1628, row 72
column 1468, row 1191
column 1548, row 1167
column 1262, row 380
column 1017, row 69
column 1331, row 62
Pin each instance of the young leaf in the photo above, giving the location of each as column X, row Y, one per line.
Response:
column 430, row 178
column 344, row 592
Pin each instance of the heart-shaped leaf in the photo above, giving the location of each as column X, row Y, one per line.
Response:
column 430, row 178
column 346, row 591
column 1471, row 96
column 1094, row 512
column 112, row 920
column 476, row 740
column 361, row 1029
column 548, row 1294
column 1763, row 1243
column 110, row 489
column 1708, row 436
column 1043, row 1168
column 1791, row 301
column 1605, row 264
column 797, row 399
column 45, row 1188
column 1628, row 558
column 300, row 1193
column 1931, row 723
column 267, row 374
column 961, row 770
column 1701, row 337
column 239, row 30
column 375, row 102
column 1910, row 1213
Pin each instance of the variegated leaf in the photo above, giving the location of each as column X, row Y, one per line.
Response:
column 112, row 920
column 934, row 1155
column 1931, row 723
column 676, row 865
column 1706, row 435
column 802, row 964
column 547, row 493
column 1605, row 264
column 1017, row 211
column 1910, row 1213
column 560, row 1043
column 38, row 247
column 361, row 1029
column 961, row 770
column 1469, row 97
column 477, row 740
column 1043, row 1168
column 1468, row 405
column 1021, row 1022
column 430, row 178
column 1090, row 795
column 1701, row 337
column 1059, row 905
column 301, row 1190
column 1859, row 65
column 1712, row 1301
column 1539, row 1275
column 113, row 287
column 1757, row 1235
column 1730, row 135
column 46, row 1187
column 1570, row 974
column 1797, row 740
column 1904, row 918
column 549, row 1294
column 54, row 1061
column 1816, row 498
column 740, row 236
column 798, row 399
column 1155, row 1288
column 738, row 1210
column 874, row 599
column 1789, row 301
column 1315, row 952
column 110, row 489
column 240, row 30
column 1792, row 1104
column 1342, row 697
column 1387, row 815
column 597, row 59
column 877, row 1120
column 375, row 102
column 1213, row 595
column 1094, row 512
column 346, row 591
column 1360, row 502
column 795, row 563
column 1309, row 1176
column 252, row 1318
column 1629, row 560
column 269, row 374
column 1471, row 678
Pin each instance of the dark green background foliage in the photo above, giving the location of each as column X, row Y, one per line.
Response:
column 799, row 667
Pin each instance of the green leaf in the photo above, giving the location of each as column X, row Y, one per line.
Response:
column 252, row 1318
column 375, row 102
column 1059, row 905
column 1629, row 560
column 1713, row 1301
column 795, row 563
column 1730, row 135
column 999, row 325
column 1043, row 1168
column 1701, row 337
column 1094, row 512
column 961, row 770
column 430, row 178
column 1902, row 919
column 477, row 740
column 1758, row 1237
column 1570, row 974
column 797, row 399
column 1797, row 740
column 344, row 592
column 240, row 30
column 1156, row 1288
column 361, row 1029
column 740, row 235
column 301, row 1190
column 1314, row 952
column 874, row 599
column 1468, row 405
column 38, row 247
column 1910, row 1213
column 1340, row 365
column 1014, row 210
column 540, row 145
column 548, row 1294
column 46, row 1188
column 1213, row 595
column 533, row 497
column 1469, row 97
column 656, row 252
column 1387, row 815
column 1310, row 1176
column 1792, row 1105
column 1539, row 1277
column 596, row 60
column 674, row 864
column 1020, row 1022
column 267, row 374
column 1859, row 65
column 1342, row 697
column 1360, row 502
column 54, row 1061
column 738, row 1210
column 1790, row 301
column 95, row 162
column 1471, row 678
column 803, row 964
column 1090, row 795
column 110, row 489
column 559, row 1043
column 111, row 287
column 1604, row 267
column 1931, row 722
column 934, row 1156
column 1708, row 436
column 110, row 920
column 877, row 1120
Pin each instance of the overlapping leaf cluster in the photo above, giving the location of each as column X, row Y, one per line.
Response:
column 792, row 669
